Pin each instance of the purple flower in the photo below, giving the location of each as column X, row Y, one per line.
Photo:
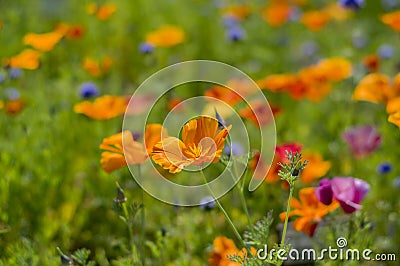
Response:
column 207, row 203
column 235, row 34
column 348, row 191
column 384, row 168
column 362, row 140
column 146, row 48
column 353, row 4
column 15, row 73
column 324, row 191
column 385, row 51
column 88, row 90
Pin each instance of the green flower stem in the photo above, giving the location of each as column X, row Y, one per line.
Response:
column 135, row 256
column 287, row 215
column 242, row 198
column 223, row 211
column 142, row 222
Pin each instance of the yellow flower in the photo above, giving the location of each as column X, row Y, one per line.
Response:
column 43, row 42
column 136, row 153
column 166, row 36
column 105, row 107
column 201, row 143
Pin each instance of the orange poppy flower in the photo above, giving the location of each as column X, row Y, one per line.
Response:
column 97, row 68
column 315, row 20
column 371, row 62
column 14, row 107
column 337, row 12
column 392, row 20
column 277, row 82
column 333, row 69
column 240, row 11
column 259, row 113
column 224, row 94
column 309, row 211
column 27, row 59
column 102, row 12
column 393, row 109
column 316, row 168
column 1, row 104
column 277, row 13
column 224, row 247
column 395, row 118
column 43, row 42
column 136, row 153
column 72, row 32
column 201, row 143
column 166, row 36
column 105, row 107
column 374, row 88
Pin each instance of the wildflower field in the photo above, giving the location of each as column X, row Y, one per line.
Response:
column 199, row 132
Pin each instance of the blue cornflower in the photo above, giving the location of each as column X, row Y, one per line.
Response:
column 207, row 203
column 88, row 90
column 234, row 149
column 384, row 168
column 15, row 73
column 12, row 93
column 396, row 182
column 146, row 48
column 230, row 21
column 309, row 48
column 2, row 77
column 235, row 34
column 359, row 40
column 385, row 51
column 353, row 4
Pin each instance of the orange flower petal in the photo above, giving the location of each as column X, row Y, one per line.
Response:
column 105, row 107
column 170, row 154
column 166, row 36
column 392, row 20
column 374, row 88
column 27, row 59
column 43, row 42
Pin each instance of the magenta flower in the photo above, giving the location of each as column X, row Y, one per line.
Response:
column 363, row 140
column 348, row 191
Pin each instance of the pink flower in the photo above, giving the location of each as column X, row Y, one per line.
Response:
column 363, row 140
column 348, row 191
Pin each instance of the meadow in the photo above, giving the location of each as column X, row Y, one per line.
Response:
column 83, row 165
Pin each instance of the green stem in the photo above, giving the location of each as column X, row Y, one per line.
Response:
column 142, row 223
column 242, row 198
column 130, row 232
column 223, row 211
column 287, row 215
